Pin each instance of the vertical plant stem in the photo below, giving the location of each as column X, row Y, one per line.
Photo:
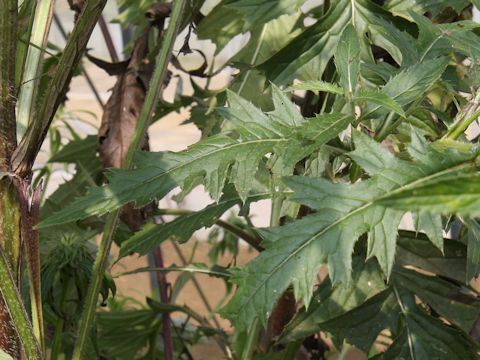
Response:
column 59, row 326
column 31, row 239
column 148, row 109
column 8, row 41
column 163, row 291
column 252, row 338
column 9, row 226
column 384, row 130
column 33, row 64
column 25, row 154
column 277, row 203
column 26, row 11
column 17, row 312
column 57, row 339
column 10, row 246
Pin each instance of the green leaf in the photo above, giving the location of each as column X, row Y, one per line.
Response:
column 447, row 193
column 381, row 99
column 361, row 326
column 473, row 254
column 266, row 40
column 124, row 334
column 411, row 83
column 347, row 59
column 329, row 302
column 255, row 13
column 415, row 249
column 183, row 227
column 318, row 42
column 220, row 25
column 232, row 17
column 425, row 337
column 213, row 160
column 404, row 7
column 83, row 150
column 317, row 86
column 5, row 356
column 416, row 334
column 344, row 212
column 459, row 305
column 432, row 226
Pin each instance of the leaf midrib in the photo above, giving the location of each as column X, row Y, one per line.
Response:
column 347, row 216
column 188, row 162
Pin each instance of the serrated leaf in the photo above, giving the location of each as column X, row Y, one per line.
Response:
column 398, row 43
column 317, row 40
column 213, row 161
column 411, row 83
column 450, row 193
column 329, row 301
column 347, row 59
column 414, row 81
column 344, row 212
column 431, row 224
column 317, row 86
column 380, row 98
column 232, row 17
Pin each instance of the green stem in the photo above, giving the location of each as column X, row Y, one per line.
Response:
column 57, row 339
column 60, row 324
column 250, row 239
column 17, row 311
column 155, row 87
column 277, row 203
column 26, row 11
column 148, row 109
column 459, row 127
column 25, row 154
column 385, row 128
column 252, row 338
column 33, row 65
column 8, row 42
